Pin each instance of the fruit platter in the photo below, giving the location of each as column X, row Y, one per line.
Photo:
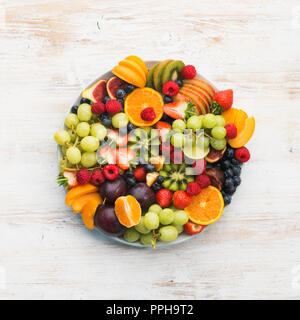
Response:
column 151, row 153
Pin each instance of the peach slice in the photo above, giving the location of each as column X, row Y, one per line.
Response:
column 196, row 99
column 134, row 67
column 78, row 192
column 202, row 84
column 202, row 92
column 88, row 213
column 139, row 61
column 129, row 76
column 239, row 120
column 229, row 115
column 80, row 202
column 245, row 135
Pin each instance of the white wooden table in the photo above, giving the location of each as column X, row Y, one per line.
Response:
column 50, row 49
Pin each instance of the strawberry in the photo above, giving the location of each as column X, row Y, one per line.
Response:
column 181, row 199
column 164, row 197
column 116, row 138
column 140, row 173
column 107, row 154
column 67, row 179
column 180, row 109
column 124, row 156
column 222, row 101
column 163, row 129
column 193, row 228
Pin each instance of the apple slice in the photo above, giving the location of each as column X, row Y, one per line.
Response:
column 197, row 99
column 96, row 92
column 202, row 84
column 201, row 96
column 200, row 91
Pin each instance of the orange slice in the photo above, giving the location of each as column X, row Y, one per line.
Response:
column 207, row 207
column 138, row 100
column 78, row 192
column 80, row 202
column 139, row 61
column 128, row 211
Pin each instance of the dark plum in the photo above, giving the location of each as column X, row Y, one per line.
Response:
column 111, row 190
column 143, row 194
column 107, row 221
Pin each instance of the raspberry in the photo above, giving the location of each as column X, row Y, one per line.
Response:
column 164, row 197
column 98, row 108
column 177, row 157
column 166, row 149
column 111, row 171
column 242, row 154
column 193, row 189
column 189, row 72
column 181, row 199
column 140, row 174
column 170, row 88
column 199, row 166
column 83, row 176
column 97, row 177
column 231, row 131
column 148, row 114
column 113, row 106
column 203, row 180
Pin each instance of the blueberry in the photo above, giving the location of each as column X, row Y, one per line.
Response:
column 105, row 99
column 122, row 102
column 129, row 173
column 230, row 190
column 106, row 120
column 129, row 88
column 160, row 179
column 130, row 181
column 167, row 99
column 84, row 100
column 156, row 186
column 227, row 199
column 235, row 162
column 166, row 118
column 74, row 109
column 121, row 93
column 226, row 164
column 237, row 181
column 229, row 153
column 236, row 170
column 130, row 126
column 229, row 182
column 149, row 167
column 218, row 165
column 179, row 82
column 228, row 173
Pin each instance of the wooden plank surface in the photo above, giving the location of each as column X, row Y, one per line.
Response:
column 50, row 49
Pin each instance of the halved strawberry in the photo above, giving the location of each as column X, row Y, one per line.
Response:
column 114, row 136
column 67, row 179
column 124, row 157
column 193, row 228
column 107, row 155
column 180, row 109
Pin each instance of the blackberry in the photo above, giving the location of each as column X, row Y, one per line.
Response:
column 105, row 99
column 74, row 109
column 84, row 100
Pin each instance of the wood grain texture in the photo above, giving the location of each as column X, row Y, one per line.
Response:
column 50, row 49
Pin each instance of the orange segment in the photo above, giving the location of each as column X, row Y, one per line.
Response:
column 229, row 115
column 129, row 76
column 138, row 100
column 88, row 213
column 207, row 207
column 239, row 120
column 245, row 135
column 78, row 192
column 80, row 202
column 128, row 211
column 139, row 61
column 133, row 66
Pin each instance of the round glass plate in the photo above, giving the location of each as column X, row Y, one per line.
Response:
column 183, row 237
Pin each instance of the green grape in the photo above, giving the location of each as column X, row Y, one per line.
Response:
column 84, row 112
column 71, row 120
column 179, row 228
column 98, row 131
column 178, row 124
column 131, row 235
column 155, row 208
column 73, row 155
column 83, row 129
column 72, row 134
column 120, row 120
column 181, row 218
column 168, row 233
column 89, row 144
column 151, row 220
column 166, row 216
column 64, row 150
column 209, row 121
column 220, row 121
column 206, row 142
column 146, row 239
column 141, row 228
column 194, row 122
column 177, row 140
column 218, row 132
column 89, row 159
column 218, row 144
column 62, row 137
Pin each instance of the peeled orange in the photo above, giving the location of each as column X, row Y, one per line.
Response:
column 128, row 211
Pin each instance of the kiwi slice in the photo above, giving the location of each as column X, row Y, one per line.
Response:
column 157, row 77
column 150, row 75
column 172, row 71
